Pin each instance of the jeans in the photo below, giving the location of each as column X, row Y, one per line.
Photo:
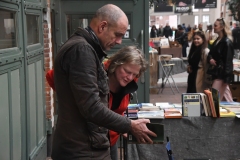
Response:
column 114, row 152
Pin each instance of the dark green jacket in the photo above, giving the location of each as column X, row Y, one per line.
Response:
column 82, row 92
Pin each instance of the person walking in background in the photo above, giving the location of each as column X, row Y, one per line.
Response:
column 220, row 58
column 194, row 27
column 184, row 27
column 167, row 31
column 197, row 64
column 200, row 27
column 160, row 31
column 153, row 32
column 82, row 90
column 183, row 40
column 189, row 28
column 123, row 68
column 236, row 40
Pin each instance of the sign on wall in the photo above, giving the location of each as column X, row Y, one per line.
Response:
column 182, row 9
column 182, row 6
column 163, row 7
column 205, row 4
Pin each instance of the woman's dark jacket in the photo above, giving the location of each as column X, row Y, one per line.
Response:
column 222, row 53
column 81, row 85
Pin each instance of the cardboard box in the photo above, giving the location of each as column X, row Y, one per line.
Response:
column 235, row 89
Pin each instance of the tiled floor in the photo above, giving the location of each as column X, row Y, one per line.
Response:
column 167, row 94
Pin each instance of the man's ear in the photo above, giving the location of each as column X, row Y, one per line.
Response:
column 102, row 26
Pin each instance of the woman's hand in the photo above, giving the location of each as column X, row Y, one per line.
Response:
column 189, row 69
column 213, row 62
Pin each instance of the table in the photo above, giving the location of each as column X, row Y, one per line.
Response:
column 174, row 51
column 193, row 137
column 179, row 67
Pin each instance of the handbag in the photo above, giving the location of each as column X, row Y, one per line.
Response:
column 215, row 70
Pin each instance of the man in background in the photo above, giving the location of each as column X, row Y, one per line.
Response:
column 167, row 31
column 200, row 27
column 236, row 39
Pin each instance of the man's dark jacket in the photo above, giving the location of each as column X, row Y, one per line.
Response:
column 82, row 92
column 167, row 31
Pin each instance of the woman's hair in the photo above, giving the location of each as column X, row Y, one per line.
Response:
column 190, row 34
column 202, row 46
column 128, row 54
column 154, row 27
column 226, row 28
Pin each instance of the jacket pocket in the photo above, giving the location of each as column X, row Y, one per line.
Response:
column 98, row 136
column 103, row 81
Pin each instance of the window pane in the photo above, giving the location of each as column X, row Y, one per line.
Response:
column 7, row 29
column 205, row 9
column 196, row 20
column 32, row 29
column 206, row 18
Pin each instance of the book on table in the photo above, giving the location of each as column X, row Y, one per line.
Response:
column 157, row 128
column 164, row 105
column 226, row 113
column 233, row 107
column 216, row 101
column 211, row 102
column 172, row 113
column 151, row 114
column 134, row 106
column 204, row 104
column 191, row 106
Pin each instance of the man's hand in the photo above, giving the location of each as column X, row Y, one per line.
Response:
column 141, row 132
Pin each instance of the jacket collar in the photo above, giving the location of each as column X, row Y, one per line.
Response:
column 92, row 39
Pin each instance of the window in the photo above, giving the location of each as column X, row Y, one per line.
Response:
column 205, row 18
column 196, row 20
column 32, row 29
column 205, row 9
column 7, row 29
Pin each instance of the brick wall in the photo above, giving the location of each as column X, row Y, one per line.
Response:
column 48, row 63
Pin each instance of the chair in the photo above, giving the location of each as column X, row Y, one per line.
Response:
column 167, row 72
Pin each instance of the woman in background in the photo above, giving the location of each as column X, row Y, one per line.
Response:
column 197, row 59
column 123, row 69
column 153, row 32
column 210, row 35
column 221, row 59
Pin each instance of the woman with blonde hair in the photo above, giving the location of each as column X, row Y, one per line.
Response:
column 220, row 59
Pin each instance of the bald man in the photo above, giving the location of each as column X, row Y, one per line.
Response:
column 82, row 91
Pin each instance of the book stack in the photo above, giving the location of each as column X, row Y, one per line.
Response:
column 151, row 114
column 148, row 107
column 170, row 110
column 132, row 110
column 233, row 108
column 213, row 99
